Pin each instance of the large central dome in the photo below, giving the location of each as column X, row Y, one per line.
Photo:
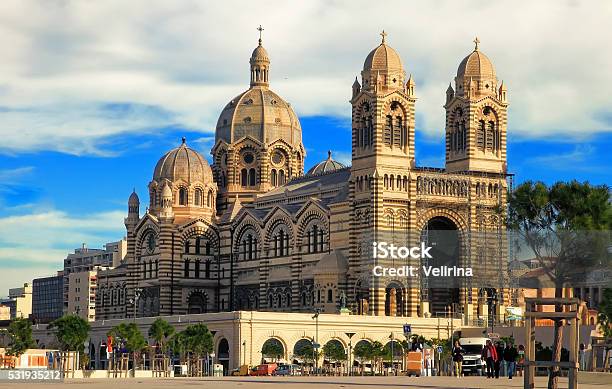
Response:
column 258, row 112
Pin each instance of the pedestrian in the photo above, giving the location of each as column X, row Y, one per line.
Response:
column 510, row 355
column 458, row 358
column 489, row 355
column 521, row 359
column 499, row 350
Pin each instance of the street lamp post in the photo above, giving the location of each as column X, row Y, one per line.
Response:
column 244, row 352
column 392, row 355
column 316, row 342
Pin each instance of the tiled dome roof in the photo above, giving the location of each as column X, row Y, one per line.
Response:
column 476, row 65
column 326, row 166
column 183, row 163
column 383, row 57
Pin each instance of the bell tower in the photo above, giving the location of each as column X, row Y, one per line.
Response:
column 476, row 117
column 383, row 112
column 382, row 155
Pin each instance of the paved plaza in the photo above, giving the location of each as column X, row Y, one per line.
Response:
column 586, row 381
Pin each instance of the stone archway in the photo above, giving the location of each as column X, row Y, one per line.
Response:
column 272, row 350
column 223, row 354
column 443, row 235
column 197, row 303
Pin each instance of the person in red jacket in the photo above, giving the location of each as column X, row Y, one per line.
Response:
column 489, row 355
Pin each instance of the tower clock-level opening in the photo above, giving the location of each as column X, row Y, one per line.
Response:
column 442, row 235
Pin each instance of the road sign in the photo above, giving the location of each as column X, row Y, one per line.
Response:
column 407, row 329
column 439, row 349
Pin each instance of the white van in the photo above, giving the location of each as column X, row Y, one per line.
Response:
column 472, row 362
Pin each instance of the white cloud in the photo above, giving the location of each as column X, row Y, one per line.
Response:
column 39, row 241
column 178, row 63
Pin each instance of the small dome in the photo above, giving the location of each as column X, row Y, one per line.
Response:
column 133, row 200
column 260, row 54
column 476, row 65
column 332, row 263
column 183, row 163
column 383, row 58
column 326, row 166
column 167, row 192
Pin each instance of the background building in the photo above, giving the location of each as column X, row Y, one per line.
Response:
column 86, row 259
column 19, row 301
column 82, row 294
column 47, row 298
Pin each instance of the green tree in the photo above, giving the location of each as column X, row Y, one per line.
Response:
column 565, row 226
column 305, row 352
column 20, row 336
column 363, row 352
column 178, row 344
column 604, row 318
column 272, row 348
column 160, row 331
column 129, row 336
column 198, row 339
column 71, row 332
column 378, row 354
column 334, row 351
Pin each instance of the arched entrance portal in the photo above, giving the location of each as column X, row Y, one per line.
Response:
column 223, row 355
column 197, row 302
column 443, row 236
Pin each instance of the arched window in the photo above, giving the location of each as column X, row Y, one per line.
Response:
column 480, row 135
column 186, row 269
column 243, row 177
column 182, row 196
column 491, row 137
column 252, row 178
column 281, row 177
column 273, row 178
column 388, row 131
column 209, row 199
column 329, row 296
column 248, row 245
column 316, row 239
column 197, row 197
column 281, row 242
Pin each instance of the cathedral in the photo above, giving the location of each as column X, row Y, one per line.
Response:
column 254, row 231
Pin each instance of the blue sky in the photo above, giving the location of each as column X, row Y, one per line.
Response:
column 90, row 98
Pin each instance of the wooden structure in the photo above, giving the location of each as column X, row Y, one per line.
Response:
column 160, row 366
column 118, row 365
column 570, row 313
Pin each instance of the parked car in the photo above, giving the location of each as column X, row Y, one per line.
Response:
column 264, row 369
column 288, row 370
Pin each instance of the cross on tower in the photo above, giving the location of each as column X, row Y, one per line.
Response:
column 260, row 29
column 384, row 35
column 476, row 42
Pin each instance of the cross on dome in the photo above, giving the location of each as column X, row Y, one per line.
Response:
column 384, row 35
column 260, row 29
column 476, row 42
